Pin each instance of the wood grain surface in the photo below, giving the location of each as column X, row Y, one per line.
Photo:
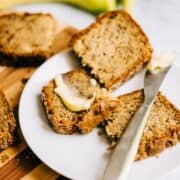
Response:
column 18, row 161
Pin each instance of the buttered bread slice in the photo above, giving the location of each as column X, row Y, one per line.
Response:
column 60, row 111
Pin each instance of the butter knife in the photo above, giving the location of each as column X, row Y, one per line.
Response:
column 126, row 149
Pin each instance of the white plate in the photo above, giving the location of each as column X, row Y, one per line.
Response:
column 82, row 157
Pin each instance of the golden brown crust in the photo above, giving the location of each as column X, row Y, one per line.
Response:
column 7, row 123
column 99, row 21
column 134, row 68
column 138, row 93
column 127, row 75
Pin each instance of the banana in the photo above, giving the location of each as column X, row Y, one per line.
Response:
column 8, row 3
column 94, row 6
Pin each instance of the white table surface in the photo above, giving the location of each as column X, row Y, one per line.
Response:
column 160, row 19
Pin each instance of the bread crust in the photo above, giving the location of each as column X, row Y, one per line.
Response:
column 7, row 123
column 60, row 118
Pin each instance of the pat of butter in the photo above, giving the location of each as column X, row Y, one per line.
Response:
column 71, row 97
column 161, row 61
column 93, row 82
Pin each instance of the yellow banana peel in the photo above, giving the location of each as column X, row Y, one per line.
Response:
column 95, row 6
column 128, row 5
column 8, row 3
column 91, row 5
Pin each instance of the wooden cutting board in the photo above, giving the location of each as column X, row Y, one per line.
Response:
column 18, row 161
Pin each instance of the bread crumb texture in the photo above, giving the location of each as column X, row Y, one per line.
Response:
column 114, row 48
column 161, row 131
column 65, row 121
column 7, row 123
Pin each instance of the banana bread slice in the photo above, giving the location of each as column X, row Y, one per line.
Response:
column 7, row 123
column 61, row 118
column 114, row 48
column 162, row 129
column 26, row 38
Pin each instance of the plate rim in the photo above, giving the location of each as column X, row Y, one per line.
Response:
column 20, row 109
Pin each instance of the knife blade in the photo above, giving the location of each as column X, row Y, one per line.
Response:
column 126, row 149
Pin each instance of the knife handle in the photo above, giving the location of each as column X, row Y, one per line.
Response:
column 126, row 149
